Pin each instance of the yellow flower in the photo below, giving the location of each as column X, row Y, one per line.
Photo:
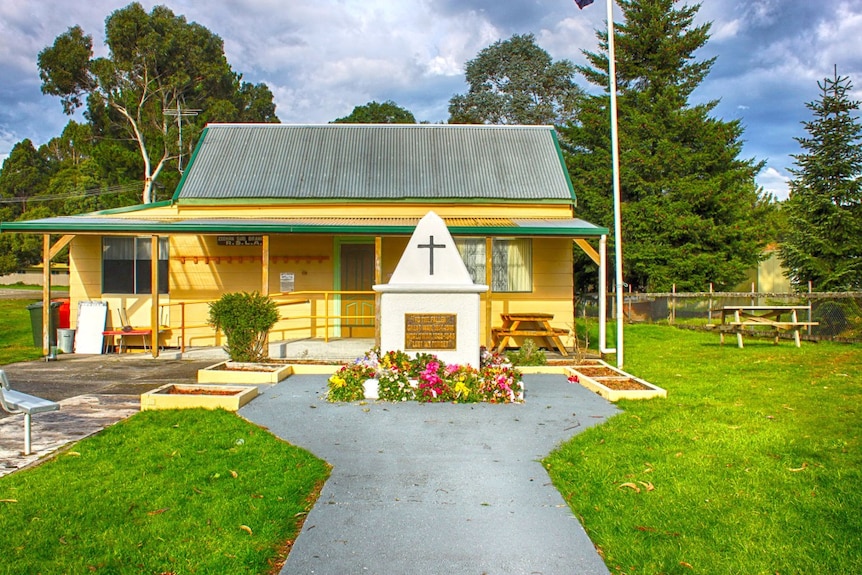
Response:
column 337, row 381
column 461, row 389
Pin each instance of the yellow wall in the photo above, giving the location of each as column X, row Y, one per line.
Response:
column 85, row 271
column 552, row 287
column 201, row 271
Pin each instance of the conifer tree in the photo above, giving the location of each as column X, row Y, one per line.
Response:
column 823, row 242
column 692, row 213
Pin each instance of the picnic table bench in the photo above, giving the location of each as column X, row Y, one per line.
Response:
column 528, row 325
column 18, row 402
column 762, row 316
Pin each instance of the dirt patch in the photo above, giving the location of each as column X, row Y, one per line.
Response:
column 596, row 371
column 247, row 367
column 571, row 361
column 174, row 390
column 621, row 383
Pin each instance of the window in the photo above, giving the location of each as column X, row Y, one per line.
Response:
column 126, row 267
column 512, row 262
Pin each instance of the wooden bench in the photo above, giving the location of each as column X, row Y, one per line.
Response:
column 18, row 402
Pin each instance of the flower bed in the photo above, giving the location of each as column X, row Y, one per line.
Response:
column 181, row 396
column 401, row 377
column 611, row 383
column 243, row 373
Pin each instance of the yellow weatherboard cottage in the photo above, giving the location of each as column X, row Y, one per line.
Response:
column 315, row 215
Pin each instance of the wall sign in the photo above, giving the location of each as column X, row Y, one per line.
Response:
column 240, row 240
column 430, row 331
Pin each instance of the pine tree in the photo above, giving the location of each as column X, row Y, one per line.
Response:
column 823, row 243
column 692, row 214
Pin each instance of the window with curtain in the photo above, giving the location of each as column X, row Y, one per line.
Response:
column 126, row 265
column 512, row 262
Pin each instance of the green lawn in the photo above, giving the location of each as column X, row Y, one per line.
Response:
column 753, row 464
column 16, row 343
column 190, row 491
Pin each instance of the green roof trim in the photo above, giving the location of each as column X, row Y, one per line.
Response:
column 564, row 166
column 335, row 226
column 334, row 201
column 135, row 208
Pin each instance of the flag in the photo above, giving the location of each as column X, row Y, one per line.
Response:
column 582, row 3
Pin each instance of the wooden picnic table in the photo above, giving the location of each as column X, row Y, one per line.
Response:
column 528, row 325
column 763, row 316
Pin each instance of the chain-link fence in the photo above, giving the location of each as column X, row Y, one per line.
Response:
column 838, row 315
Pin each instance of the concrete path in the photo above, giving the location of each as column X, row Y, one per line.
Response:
column 78, row 417
column 425, row 489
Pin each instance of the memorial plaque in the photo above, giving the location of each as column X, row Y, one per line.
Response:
column 434, row 331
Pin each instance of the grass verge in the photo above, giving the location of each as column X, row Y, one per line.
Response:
column 17, row 341
column 191, row 491
column 753, row 464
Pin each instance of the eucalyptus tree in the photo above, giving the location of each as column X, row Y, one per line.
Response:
column 374, row 112
column 515, row 81
column 162, row 80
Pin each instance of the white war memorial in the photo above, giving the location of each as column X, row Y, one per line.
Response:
column 431, row 304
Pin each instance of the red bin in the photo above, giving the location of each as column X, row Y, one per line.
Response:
column 63, row 313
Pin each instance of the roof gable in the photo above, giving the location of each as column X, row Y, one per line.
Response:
column 370, row 162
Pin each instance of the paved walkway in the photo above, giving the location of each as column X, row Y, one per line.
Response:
column 426, row 489
column 78, row 417
column 415, row 488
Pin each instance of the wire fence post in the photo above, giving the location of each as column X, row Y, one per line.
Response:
column 810, row 289
column 673, row 305
column 630, row 302
column 709, row 309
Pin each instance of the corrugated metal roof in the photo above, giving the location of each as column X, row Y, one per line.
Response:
column 565, row 227
column 389, row 162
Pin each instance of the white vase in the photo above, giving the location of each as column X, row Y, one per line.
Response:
column 372, row 389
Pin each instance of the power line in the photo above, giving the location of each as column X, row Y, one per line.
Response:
column 94, row 192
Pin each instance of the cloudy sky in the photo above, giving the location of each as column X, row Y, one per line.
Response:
column 321, row 58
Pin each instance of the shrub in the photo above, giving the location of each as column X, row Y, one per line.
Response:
column 245, row 318
column 527, row 354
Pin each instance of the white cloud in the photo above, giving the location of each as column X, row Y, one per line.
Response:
column 321, row 58
column 724, row 30
column 774, row 182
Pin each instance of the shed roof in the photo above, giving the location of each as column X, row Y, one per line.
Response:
column 376, row 162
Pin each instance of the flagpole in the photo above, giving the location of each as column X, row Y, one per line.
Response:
column 615, row 159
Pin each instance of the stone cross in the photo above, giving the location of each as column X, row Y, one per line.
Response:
column 431, row 245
